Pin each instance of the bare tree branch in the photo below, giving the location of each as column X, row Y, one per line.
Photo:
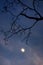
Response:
column 35, row 9
column 16, row 28
column 25, row 5
column 34, row 18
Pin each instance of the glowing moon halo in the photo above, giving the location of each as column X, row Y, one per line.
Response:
column 22, row 50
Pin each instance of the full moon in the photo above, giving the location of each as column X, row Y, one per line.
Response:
column 22, row 50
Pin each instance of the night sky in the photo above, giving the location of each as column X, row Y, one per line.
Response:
column 11, row 54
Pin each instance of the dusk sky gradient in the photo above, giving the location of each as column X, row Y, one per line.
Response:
column 11, row 54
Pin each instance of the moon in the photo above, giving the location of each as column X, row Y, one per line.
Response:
column 22, row 50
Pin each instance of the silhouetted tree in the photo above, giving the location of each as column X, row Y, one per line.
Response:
column 24, row 9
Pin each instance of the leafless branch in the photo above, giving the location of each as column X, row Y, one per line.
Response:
column 16, row 28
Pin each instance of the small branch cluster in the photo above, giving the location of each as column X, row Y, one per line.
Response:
column 16, row 28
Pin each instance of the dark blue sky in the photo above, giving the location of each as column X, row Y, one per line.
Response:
column 10, row 54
